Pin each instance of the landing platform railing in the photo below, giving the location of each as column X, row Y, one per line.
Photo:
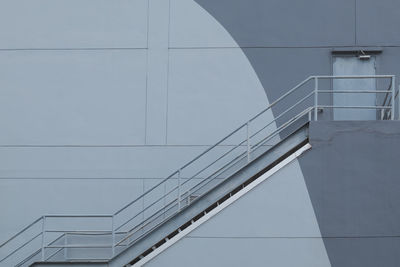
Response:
column 101, row 237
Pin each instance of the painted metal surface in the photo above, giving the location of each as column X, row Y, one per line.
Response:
column 354, row 66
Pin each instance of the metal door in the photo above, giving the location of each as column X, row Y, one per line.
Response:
column 354, row 66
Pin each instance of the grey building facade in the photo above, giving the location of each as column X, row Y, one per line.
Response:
column 101, row 100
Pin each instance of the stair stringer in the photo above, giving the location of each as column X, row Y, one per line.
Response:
column 222, row 206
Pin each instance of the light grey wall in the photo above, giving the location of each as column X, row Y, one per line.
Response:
column 45, row 24
column 96, row 106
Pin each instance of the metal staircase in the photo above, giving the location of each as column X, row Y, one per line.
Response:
column 198, row 187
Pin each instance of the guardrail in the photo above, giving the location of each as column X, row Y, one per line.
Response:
column 62, row 237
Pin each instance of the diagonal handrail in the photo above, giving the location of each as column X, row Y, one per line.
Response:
column 233, row 161
column 388, row 104
column 217, row 143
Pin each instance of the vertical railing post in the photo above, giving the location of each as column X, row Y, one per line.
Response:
column 65, row 246
column 43, row 238
column 165, row 199
column 316, row 99
column 393, row 98
column 179, row 189
column 248, row 141
column 142, row 211
column 113, row 236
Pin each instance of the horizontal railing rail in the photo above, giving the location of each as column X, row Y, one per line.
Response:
column 48, row 235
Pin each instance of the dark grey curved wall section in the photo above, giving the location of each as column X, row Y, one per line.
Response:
column 352, row 175
column 287, row 41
